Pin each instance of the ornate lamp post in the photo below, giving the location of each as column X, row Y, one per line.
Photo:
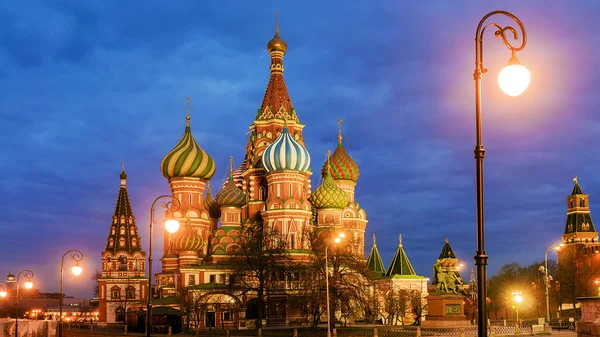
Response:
column 513, row 80
column 336, row 240
column 172, row 226
column 548, row 278
column 77, row 256
column 29, row 275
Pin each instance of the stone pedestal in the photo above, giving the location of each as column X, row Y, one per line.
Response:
column 589, row 325
column 445, row 310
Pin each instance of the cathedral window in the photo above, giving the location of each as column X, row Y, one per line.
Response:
column 213, row 278
column 122, row 219
column 581, row 202
column 122, row 263
column 122, row 242
column 115, row 293
column 190, row 199
column 134, row 242
column 291, row 191
column 112, row 231
column 262, row 194
column 111, row 243
column 192, row 280
column 132, row 231
column 222, row 278
column 122, row 230
column 571, row 203
column 293, row 241
column 130, row 292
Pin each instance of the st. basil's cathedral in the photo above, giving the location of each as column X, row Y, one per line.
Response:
column 273, row 180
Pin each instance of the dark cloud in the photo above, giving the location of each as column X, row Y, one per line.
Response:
column 86, row 84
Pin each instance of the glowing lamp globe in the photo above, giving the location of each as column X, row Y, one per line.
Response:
column 341, row 235
column 337, row 240
column 172, row 226
column 76, row 270
column 518, row 298
column 514, row 78
column 3, row 293
column 28, row 285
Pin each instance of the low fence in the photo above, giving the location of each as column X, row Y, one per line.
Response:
column 356, row 331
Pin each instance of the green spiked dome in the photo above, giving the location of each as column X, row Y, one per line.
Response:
column 343, row 167
column 211, row 204
column 230, row 195
column 187, row 159
column 328, row 195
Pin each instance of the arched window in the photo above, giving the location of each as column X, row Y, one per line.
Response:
column 581, row 202
column 571, row 203
column 115, row 293
column 130, row 292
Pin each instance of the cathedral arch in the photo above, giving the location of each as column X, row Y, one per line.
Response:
column 582, row 202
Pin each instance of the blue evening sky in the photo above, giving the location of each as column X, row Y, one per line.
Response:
column 86, row 84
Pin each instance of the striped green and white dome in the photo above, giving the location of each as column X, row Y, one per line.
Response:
column 285, row 153
column 188, row 239
column 187, row 159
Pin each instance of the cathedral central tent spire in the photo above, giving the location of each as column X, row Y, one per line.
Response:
column 277, row 102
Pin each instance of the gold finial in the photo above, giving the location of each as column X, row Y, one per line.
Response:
column 446, row 240
column 400, row 239
column 576, row 180
column 339, row 123
column 277, row 22
column 187, row 112
column 285, row 122
column 374, row 239
column 231, row 166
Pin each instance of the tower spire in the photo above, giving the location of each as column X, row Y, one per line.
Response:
column 374, row 240
column 231, row 166
column 277, row 22
column 187, row 112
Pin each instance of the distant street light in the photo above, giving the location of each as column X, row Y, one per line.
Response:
column 513, row 80
column 335, row 241
column 171, row 226
column 518, row 299
column 3, row 292
column 548, row 278
column 28, row 285
column 77, row 256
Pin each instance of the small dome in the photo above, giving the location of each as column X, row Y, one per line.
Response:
column 187, row 159
column 277, row 43
column 211, row 205
column 230, row 195
column 328, row 195
column 123, row 175
column 188, row 240
column 343, row 167
column 285, row 153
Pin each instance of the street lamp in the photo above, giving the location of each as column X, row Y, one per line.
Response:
column 335, row 240
column 548, row 278
column 172, row 226
column 29, row 275
column 77, row 256
column 518, row 299
column 3, row 292
column 513, row 80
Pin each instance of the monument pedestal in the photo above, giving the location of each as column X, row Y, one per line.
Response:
column 445, row 310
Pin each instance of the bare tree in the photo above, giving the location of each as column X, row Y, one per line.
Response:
column 95, row 277
column 260, row 257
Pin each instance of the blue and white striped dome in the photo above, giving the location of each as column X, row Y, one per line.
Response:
column 285, row 153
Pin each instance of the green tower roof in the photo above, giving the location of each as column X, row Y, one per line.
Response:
column 400, row 263
column 123, row 235
column 447, row 252
column 374, row 262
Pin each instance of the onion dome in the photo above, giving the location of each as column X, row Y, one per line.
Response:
column 188, row 239
column 230, row 195
column 328, row 195
column 277, row 43
column 187, row 159
column 343, row 167
column 211, row 204
column 285, row 153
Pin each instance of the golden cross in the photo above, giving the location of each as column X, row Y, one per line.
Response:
column 231, row 164
column 123, row 166
column 187, row 106
column 339, row 123
column 328, row 153
column 277, row 22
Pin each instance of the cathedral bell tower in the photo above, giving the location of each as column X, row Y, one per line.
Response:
column 123, row 283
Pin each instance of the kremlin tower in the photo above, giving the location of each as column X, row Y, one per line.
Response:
column 123, row 283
